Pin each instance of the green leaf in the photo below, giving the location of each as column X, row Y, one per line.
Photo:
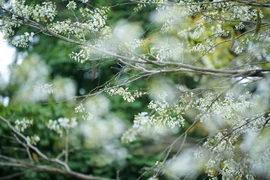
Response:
column 232, row 38
column 258, row 22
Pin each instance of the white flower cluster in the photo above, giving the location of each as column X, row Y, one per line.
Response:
column 84, row 1
column 67, row 27
column 141, row 123
column 139, row 7
column 53, row 125
column 223, row 148
column 96, row 18
column 67, row 123
column 130, row 46
column 219, row 31
column 231, row 119
column 89, row 52
column 243, row 13
column 81, row 56
column 105, row 33
column 33, row 139
column 171, row 16
column 79, row 109
column 226, row 158
column 239, row 26
column 164, row 115
column 229, row 10
column 87, row 116
column 20, row 9
column 22, row 13
column 229, row 110
column 168, row 49
column 7, row 26
column 125, row 93
column 239, row 50
column 256, row 147
column 44, row 12
column 84, row 114
column 198, row 31
column 23, row 40
column 62, row 124
column 174, row 19
column 46, row 88
column 168, row 115
column 21, row 125
column 71, row 5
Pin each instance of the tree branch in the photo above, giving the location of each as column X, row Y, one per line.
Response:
column 253, row 3
column 51, row 170
column 30, row 164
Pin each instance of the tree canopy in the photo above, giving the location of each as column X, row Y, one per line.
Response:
column 147, row 89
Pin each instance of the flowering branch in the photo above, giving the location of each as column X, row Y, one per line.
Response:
column 162, row 66
column 37, row 167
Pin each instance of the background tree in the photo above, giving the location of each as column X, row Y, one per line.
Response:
column 194, row 72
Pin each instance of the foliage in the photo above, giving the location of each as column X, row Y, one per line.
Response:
column 194, row 75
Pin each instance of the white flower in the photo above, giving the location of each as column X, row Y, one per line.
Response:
column 21, row 125
column 53, row 125
column 46, row 88
column 73, row 122
column 64, row 122
column 125, row 93
column 72, row 5
column 79, row 109
column 88, row 116
column 34, row 139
